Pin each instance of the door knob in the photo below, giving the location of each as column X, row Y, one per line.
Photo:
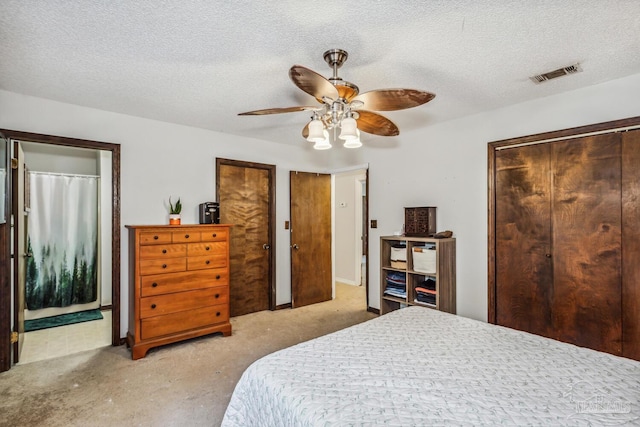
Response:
column 295, row 246
column 266, row 246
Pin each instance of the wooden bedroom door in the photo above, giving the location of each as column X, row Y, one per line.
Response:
column 246, row 192
column 311, row 264
column 558, row 240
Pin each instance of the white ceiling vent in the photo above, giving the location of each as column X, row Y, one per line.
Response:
column 571, row 69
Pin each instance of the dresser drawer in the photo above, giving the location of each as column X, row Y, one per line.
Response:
column 209, row 261
column 183, row 321
column 206, row 248
column 157, row 266
column 215, row 235
column 163, row 251
column 182, row 301
column 185, row 281
column 155, row 238
column 185, row 236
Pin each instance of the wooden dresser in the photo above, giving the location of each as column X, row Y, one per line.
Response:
column 178, row 284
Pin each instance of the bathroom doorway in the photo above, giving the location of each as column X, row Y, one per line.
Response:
column 96, row 165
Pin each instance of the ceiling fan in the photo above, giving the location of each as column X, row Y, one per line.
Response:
column 342, row 105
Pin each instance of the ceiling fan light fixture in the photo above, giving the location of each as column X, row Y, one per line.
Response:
column 316, row 131
column 353, row 143
column 324, row 143
column 348, row 129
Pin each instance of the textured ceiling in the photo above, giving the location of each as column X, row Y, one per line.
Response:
column 199, row 63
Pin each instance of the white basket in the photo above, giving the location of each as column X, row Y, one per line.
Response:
column 401, row 265
column 398, row 254
column 424, row 260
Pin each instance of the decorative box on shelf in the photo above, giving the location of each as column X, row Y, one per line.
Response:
column 420, row 221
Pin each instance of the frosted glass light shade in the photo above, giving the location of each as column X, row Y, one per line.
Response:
column 316, row 129
column 348, row 129
column 353, row 143
column 324, row 143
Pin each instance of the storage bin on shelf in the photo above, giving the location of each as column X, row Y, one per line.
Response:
column 398, row 257
column 424, row 258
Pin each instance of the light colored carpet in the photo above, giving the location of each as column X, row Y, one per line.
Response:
column 188, row 383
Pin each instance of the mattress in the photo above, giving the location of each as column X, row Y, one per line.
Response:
column 418, row 366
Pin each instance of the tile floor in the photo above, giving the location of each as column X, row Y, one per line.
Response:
column 65, row 340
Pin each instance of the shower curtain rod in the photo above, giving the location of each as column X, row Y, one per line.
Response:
column 73, row 175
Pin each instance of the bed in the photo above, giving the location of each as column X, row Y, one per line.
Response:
column 417, row 366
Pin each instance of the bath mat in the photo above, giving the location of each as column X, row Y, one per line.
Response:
column 61, row 320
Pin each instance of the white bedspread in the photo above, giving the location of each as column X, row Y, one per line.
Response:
column 417, row 367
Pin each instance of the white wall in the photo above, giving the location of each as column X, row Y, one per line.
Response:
column 161, row 159
column 445, row 165
column 442, row 165
column 56, row 159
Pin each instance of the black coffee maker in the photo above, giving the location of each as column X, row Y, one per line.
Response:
column 209, row 213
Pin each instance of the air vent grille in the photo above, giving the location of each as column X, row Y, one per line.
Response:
column 571, row 69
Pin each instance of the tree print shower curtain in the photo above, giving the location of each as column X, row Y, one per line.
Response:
column 62, row 237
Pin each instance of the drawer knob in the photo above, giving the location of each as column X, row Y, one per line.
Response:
column 207, row 248
column 217, row 295
column 217, row 277
column 164, row 265
column 154, row 285
column 207, row 262
column 186, row 236
column 153, row 306
column 164, row 251
column 218, row 314
column 215, row 235
column 155, row 237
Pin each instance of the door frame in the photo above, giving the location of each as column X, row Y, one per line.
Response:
column 540, row 138
column 5, row 260
column 7, row 301
column 271, row 170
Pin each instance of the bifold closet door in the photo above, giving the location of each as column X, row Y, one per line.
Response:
column 631, row 244
column 524, row 266
column 587, row 242
column 558, row 240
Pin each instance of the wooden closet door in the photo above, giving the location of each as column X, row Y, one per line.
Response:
column 524, row 269
column 586, row 221
column 631, row 244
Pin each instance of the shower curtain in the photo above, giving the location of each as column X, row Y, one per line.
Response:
column 62, row 232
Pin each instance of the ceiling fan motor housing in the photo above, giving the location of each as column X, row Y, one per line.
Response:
column 335, row 57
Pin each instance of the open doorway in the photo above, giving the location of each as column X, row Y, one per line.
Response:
column 64, row 234
column 350, row 229
column 56, row 152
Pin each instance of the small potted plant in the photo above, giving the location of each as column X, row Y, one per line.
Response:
column 174, row 212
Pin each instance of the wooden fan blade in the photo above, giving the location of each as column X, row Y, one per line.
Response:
column 277, row 111
column 312, row 83
column 376, row 124
column 394, row 99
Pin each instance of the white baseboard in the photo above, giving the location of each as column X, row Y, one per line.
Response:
column 347, row 282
